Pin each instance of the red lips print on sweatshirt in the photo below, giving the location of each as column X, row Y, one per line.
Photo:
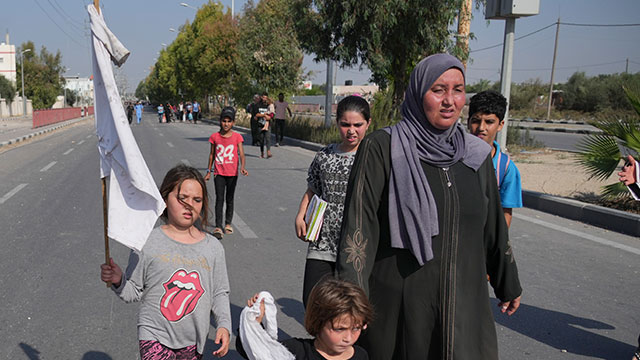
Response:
column 181, row 294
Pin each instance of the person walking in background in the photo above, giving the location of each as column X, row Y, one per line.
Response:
column 130, row 112
column 160, row 113
column 226, row 150
column 196, row 111
column 139, row 111
column 181, row 111
column 281, row 109
column 189, row 111
column 180, row 275
column 328, row 176
column 253, row 110
column 486, row 118
column 263, row 118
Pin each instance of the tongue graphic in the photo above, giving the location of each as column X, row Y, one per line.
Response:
column 181, row 294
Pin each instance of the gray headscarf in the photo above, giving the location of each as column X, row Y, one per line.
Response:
column 413, row 216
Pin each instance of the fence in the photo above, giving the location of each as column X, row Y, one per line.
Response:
column 52, row 116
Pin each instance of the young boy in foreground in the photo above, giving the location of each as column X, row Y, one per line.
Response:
column 486, row 118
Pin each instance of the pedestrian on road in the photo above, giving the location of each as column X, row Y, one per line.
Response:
column 160, row 113
column 196, row 111
column 139, row 111
column 252, row 109
column 226, row 148
column 486, row 118
column 338, row 312
column 263, row 118
column 180, row 275
column 328, row 176
column 130, row 112
column 423, row 226
column 281, row 109
column 189, row 112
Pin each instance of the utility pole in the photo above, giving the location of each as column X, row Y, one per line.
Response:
column 626, row 68
column 553, row 70
column 329, row 94
column 464, row 27
column 505, row 76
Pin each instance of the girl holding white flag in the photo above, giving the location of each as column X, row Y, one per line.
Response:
column 180, row 276
column 328, row 178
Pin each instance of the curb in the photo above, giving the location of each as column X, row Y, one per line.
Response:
column 600, row 216
column 562, row 130
column 572, row 122
column 43, row 131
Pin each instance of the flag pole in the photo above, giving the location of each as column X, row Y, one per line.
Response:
column 105, row 211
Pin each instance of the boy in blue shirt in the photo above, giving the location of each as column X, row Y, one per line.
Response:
column 486, row 118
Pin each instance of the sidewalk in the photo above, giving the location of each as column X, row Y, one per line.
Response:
column 17, row 129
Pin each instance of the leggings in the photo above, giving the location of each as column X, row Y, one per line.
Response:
column 221, row 184
column 314, row 272
column 153, row 350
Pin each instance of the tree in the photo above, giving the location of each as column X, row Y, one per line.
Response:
column 269, row 55
column 7, row 90
column 601, row 154
column 42, row 75
column 389, row 37
column 71, row 97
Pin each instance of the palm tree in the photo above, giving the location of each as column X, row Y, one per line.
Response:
column 601, row 154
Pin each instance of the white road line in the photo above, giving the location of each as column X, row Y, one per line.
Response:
column 170, row 144
column 243, row 228
column 161, row 134
column 90, row 135
column 186, row 162
column 585, row 236
column 8, row 195
column 80, row 142
column 48, row 166
column 67, row 152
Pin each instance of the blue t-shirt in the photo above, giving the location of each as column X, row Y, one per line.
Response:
column 511, row 186
column 139, row 110
column 196, row 106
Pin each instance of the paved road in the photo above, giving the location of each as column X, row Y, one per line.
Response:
column 580, row 282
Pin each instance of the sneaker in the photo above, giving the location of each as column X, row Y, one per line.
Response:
column 277, row 145
column 218, row 233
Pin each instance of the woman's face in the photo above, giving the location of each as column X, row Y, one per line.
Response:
column 443, row 102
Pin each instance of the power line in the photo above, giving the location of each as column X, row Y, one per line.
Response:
column 65, row 17
column 598, row 25
column 518, row 38
column 559, row 67
column 53, row 21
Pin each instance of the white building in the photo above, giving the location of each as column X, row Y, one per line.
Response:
column 83, row 87
column 8, row 60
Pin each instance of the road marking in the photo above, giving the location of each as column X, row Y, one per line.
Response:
column 48, row 166
column 68, row 151
column 170, row 144
column 585, row 236
column 186, row 162
column 80, row 142
column 243, row 228
column 8, row 195
column 90, row 135
column 161, row 134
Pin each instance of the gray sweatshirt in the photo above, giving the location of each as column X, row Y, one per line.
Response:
column 178, row 285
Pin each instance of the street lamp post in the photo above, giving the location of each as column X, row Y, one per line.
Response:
column 24, row 102
column 189, row 6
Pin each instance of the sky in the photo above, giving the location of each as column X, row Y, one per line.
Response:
column 143, row 26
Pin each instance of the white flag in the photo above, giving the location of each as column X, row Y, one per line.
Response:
column 134, row 200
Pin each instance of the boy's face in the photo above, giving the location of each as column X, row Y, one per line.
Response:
column 339, row 335
column 226, row 124
column 485, row 126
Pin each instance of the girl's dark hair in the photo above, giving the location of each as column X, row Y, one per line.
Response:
column 332, row 298
column 488, row 102
column 174, row 178
column 354, row 103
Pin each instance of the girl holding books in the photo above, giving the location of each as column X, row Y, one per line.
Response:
column 328, row 176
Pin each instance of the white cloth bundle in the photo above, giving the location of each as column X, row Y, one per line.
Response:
column 262, row 343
